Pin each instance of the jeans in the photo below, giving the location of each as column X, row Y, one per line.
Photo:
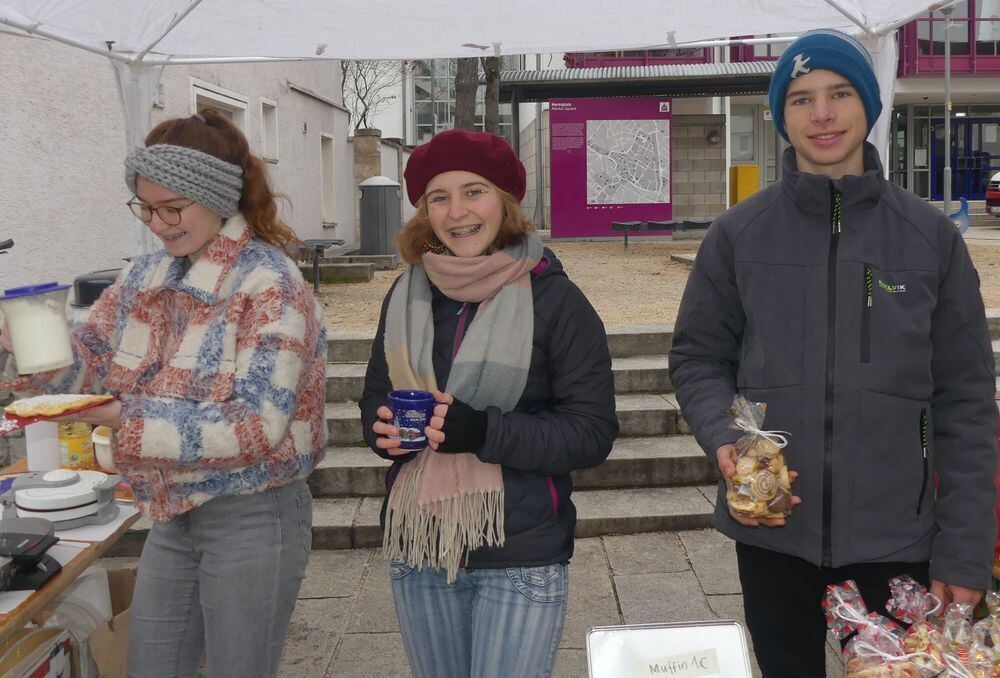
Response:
column 222, row 578
column 490, row 623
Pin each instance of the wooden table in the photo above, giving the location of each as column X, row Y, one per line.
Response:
column 27, row 611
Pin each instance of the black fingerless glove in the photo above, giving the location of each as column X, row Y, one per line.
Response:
column 464, row 429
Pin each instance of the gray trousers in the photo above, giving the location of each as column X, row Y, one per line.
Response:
column 221, row 579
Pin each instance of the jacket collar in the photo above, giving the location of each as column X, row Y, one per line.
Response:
column 204, row 278
column 811, row 192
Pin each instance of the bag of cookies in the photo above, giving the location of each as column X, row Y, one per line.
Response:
column 877, row 649
column 911, row 603
column 987, row 631
column 761, row 487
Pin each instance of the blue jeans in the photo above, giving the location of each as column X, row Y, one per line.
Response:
column 222, row 578
column 490, row 623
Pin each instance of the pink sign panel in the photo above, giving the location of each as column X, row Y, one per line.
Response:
column 610, row 161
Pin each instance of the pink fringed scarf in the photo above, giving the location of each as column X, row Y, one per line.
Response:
column 442, row 506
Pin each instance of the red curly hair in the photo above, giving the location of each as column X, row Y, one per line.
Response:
column 219, row 137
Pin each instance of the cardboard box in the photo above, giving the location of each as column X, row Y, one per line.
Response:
column 38, row 653
column 109, row 643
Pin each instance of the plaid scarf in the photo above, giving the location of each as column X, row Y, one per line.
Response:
column 442, row 506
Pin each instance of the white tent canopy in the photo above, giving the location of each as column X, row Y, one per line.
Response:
column 141, row 36
column 406, row 29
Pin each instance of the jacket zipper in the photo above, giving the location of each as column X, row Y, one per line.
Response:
column 831, row 354
column 866, row 317
column 923, row 451
column 463, row 317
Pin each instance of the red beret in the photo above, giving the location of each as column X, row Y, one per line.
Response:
column 487, row 155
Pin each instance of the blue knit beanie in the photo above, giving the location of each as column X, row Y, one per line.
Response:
column 829, row 50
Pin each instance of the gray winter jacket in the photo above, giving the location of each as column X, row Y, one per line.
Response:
column 868, row 341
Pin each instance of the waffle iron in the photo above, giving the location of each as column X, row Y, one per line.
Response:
column 64, row 497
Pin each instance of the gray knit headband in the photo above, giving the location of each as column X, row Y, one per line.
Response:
column 214, row 183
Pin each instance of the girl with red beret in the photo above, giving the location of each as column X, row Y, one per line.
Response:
column 479, row 525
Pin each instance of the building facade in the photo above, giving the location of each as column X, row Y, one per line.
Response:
column 62, row 189
column 917, row 153
column 424, row 102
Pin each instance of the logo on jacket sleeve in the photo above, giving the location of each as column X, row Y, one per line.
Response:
column 891, row 287
column 799, row 67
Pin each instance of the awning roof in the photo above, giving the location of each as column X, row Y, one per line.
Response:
column 674, row 80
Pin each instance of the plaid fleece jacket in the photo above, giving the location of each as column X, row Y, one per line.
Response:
column 221, row 372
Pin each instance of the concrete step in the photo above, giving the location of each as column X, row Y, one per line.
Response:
column 339, row 273
column 633, row 462
column 647, row 374
column 381, row 262
column 353, row 522
column 349, row 346
column 624, row 341
column 638, row 415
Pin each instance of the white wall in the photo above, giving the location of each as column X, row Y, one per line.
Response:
column 390, row 161
column 302, row 119
column 62, row 141
column 390, row 119
column 62, row 187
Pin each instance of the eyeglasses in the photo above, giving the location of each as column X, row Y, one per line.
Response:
column 168, row 215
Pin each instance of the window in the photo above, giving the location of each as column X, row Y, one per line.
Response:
column 269, row 130
column 228, row 103
column 931, row 31
column 988, row 27
column 326, row 178
column 741, row 121
column 434, row 98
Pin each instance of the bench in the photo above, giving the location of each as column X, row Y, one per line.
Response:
column 651, row 226
column 318, row 246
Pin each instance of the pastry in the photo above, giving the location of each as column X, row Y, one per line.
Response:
column 763, row 485
column 745, row 466
column 54, row 405
column 743, row 504
column 781, row 503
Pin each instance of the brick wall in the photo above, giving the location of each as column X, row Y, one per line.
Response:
column 698, row 179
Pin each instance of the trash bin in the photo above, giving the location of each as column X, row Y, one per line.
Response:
column 380, row 215
column 87, row 288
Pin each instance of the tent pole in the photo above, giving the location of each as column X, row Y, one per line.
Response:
column 936, row 7
column 136, row 84
column 177, row 19
column 33, row 29
column 857, row 22
column 194, row 61
column 947, row 109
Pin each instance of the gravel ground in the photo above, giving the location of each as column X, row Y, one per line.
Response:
column 642, row 285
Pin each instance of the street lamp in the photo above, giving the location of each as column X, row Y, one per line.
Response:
column 947, row 107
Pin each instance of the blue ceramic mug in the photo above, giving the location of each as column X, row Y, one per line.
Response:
column 411, row 412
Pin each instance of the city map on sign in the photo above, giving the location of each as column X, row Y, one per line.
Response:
column 628, row 162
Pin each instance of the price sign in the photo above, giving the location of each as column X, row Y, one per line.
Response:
column 708, row 649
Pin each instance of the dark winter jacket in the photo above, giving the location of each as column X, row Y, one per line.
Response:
column 565, row 419
column 866, row 337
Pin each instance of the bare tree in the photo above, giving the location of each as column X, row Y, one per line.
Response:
column 491, row 69
column 466, row 84
column 369, row 86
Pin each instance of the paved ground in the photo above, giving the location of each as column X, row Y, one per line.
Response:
column 345, row 623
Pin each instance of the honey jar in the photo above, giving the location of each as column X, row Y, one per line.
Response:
column 76, row 449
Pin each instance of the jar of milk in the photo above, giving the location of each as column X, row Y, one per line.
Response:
column 39, row 333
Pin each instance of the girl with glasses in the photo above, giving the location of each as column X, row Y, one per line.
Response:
column 216, row 351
